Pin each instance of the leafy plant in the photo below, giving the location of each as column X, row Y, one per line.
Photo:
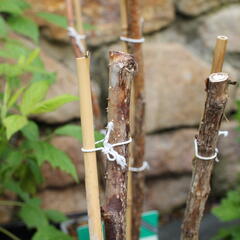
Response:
column 229, row 210
column 23, row 87
column 22, row 150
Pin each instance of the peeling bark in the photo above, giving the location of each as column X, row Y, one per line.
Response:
column 217, row 96
column 134, row 30
column 122, row 70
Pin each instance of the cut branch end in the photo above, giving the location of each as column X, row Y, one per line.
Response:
column 218, row 77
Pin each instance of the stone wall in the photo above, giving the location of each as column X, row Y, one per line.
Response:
column 180, row 37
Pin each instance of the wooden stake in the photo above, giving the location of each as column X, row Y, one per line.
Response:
column 91, row 175
column 122, row 70
column 134, row 30
column 123, row 8
column 219, row 54
column 78, row 14
column 206, row 143
column 124, row 22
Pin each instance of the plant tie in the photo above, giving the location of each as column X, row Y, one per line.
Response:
column 108, row 148
column 78, row 37
column 132, row 40
column 144, row 166
column 214, row 156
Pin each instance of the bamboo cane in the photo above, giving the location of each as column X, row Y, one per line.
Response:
column 122, row 70
column 219, row 54
column 134, row 30
column 206, row 143
column 91, row 175
column 124, row 22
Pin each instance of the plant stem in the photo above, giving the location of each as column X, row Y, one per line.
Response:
column 134, row 30
column 206, row 143
column 122, row 69
column 9, row 234
column 71, row 23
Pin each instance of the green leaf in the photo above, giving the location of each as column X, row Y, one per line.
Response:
column 10, row 6
column 76, row 132
column 31, row 131
column 56, row 19
column 232, row 233
column 55, row 216
column 21, row 4
column 32, row 214
column 36, row 171
column 15, row 97
column 33, row 95
column 47, row 152
column 50, row 233
column 88, row 26
column 15, row 187
column 14, row 123
column 70, row 130
column 14, row 50
column 24, row 26
column 3, row 27
column 53, row 104
column 229, row 208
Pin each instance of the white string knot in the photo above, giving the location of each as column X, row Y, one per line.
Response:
column 108, row 150
column 132, row 40
column 78, row 37
column 144, row 166
column 214, row 156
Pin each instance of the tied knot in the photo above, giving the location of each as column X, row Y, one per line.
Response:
column 78, row 37
column 108, row 148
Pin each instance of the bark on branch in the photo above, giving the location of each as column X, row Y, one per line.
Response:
column 134, row 30
column 217, row 96
column 122, row 70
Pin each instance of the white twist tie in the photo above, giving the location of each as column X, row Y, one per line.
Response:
column 224, row 133
column 78, row 37
column 132, row 40
column 108, row 150
column 140, row 169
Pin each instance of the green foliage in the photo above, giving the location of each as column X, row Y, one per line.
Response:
column 32, row 96
column 52, row 104
column 228, row 210
column 14, row 123
column 32, row 214
column 24, row 26
column 31, row 131
column 22, row 148
column 50, row 233
column 45, row 151
column 56, row 19
column 76, row 132
column 3, row 28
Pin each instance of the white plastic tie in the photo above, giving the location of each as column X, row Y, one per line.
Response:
column 140, row 169
column 108, row 150
column 132, row 40
column 214, row 156
column 78, row 37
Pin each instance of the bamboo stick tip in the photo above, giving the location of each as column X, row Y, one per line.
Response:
column 218, row 77
column 222, row 38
